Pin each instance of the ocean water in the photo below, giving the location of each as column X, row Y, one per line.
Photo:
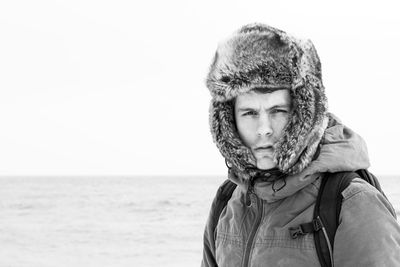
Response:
column 103, row 221
column 110, row 221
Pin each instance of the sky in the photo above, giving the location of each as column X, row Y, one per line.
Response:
column 118, row 87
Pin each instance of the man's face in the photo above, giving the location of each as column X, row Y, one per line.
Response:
column 260, row 119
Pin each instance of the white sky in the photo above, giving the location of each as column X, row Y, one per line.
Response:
column 117, row 87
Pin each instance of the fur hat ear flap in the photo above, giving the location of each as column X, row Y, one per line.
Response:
column 261, row 56
column 225, row 135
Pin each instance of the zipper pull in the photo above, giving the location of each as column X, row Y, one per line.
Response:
column 250, row 195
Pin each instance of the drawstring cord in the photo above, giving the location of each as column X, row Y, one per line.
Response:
column 250, row 190
column 228, row 164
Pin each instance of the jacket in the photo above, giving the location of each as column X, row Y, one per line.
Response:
column 258, row 234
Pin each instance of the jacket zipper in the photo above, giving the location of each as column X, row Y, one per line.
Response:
column 250, row 241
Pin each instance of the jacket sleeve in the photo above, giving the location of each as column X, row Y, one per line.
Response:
column 208, row 249
column 224, row 193
column 209, row 259
column 368, row 233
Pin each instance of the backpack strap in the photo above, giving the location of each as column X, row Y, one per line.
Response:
column 327, row 211
column 221, row 199
column 326, row 215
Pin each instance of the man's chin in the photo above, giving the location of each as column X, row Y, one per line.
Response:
column 265, row 164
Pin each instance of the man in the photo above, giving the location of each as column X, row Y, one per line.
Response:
column 269, row 119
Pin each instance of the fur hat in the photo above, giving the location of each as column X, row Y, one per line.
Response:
column 260, row 56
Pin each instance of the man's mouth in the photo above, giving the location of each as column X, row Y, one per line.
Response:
column 267, row 148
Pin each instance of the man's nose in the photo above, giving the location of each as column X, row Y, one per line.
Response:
column 264, row 126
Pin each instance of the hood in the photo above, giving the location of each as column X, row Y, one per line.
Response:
column 341, row 149
column 260, row 56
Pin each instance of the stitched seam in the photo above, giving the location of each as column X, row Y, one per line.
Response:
column 228, row 239
column 286, row 244
column 305, row 242
column 229, row 234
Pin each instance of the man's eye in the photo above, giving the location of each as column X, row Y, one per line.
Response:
column 250, row 113
column 279, row 111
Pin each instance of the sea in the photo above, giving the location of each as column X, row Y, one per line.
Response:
column 111, row 221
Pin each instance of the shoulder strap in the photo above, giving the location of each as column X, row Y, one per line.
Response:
column 222, row 197
column 327, row 211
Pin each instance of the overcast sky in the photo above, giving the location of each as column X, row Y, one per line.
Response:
column 117, row 87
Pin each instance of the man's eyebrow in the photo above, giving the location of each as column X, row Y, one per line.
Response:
column 280, row 106
column 247, row 109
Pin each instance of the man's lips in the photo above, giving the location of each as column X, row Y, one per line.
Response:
column 264, row 149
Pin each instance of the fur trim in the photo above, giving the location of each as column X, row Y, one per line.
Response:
column 261, row 56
